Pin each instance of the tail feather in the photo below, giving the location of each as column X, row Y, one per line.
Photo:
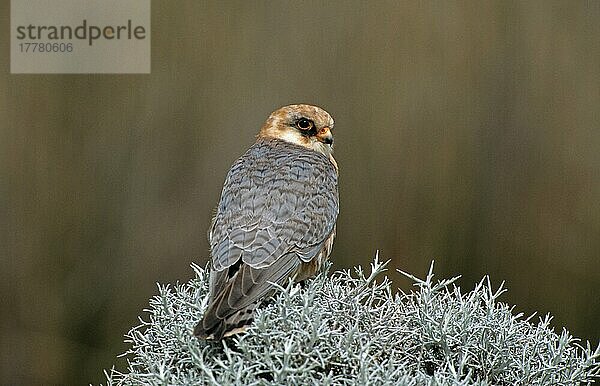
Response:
column 235, row 297
column 213, row 327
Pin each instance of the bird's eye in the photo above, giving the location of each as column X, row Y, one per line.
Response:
column 304, row 124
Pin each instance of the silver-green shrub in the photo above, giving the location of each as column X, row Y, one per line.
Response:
column 344, row 329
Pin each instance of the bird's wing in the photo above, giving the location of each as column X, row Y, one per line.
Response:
column 278, row 200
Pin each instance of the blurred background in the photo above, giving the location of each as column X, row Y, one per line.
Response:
column 468, row 133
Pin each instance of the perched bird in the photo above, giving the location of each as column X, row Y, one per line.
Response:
column 276, row 217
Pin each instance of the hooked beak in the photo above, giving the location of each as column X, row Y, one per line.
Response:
column 324, row 135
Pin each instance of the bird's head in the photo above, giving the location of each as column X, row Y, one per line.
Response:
column 303, row 125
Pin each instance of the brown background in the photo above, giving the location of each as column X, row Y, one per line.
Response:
column 468, row 133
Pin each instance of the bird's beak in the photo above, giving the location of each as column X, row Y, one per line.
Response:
column 324, row 135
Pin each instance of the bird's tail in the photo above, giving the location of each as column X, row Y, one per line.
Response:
column 236, row 296
column 215, row 327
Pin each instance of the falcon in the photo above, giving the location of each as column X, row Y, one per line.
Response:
column 275, row 219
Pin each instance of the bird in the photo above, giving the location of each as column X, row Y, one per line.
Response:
column 276, row 218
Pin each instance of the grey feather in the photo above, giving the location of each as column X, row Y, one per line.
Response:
column 277, row 198
column 277, row 211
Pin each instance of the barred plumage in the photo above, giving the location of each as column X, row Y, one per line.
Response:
column 275, row 220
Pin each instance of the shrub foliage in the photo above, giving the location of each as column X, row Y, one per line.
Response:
column 348, row 329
